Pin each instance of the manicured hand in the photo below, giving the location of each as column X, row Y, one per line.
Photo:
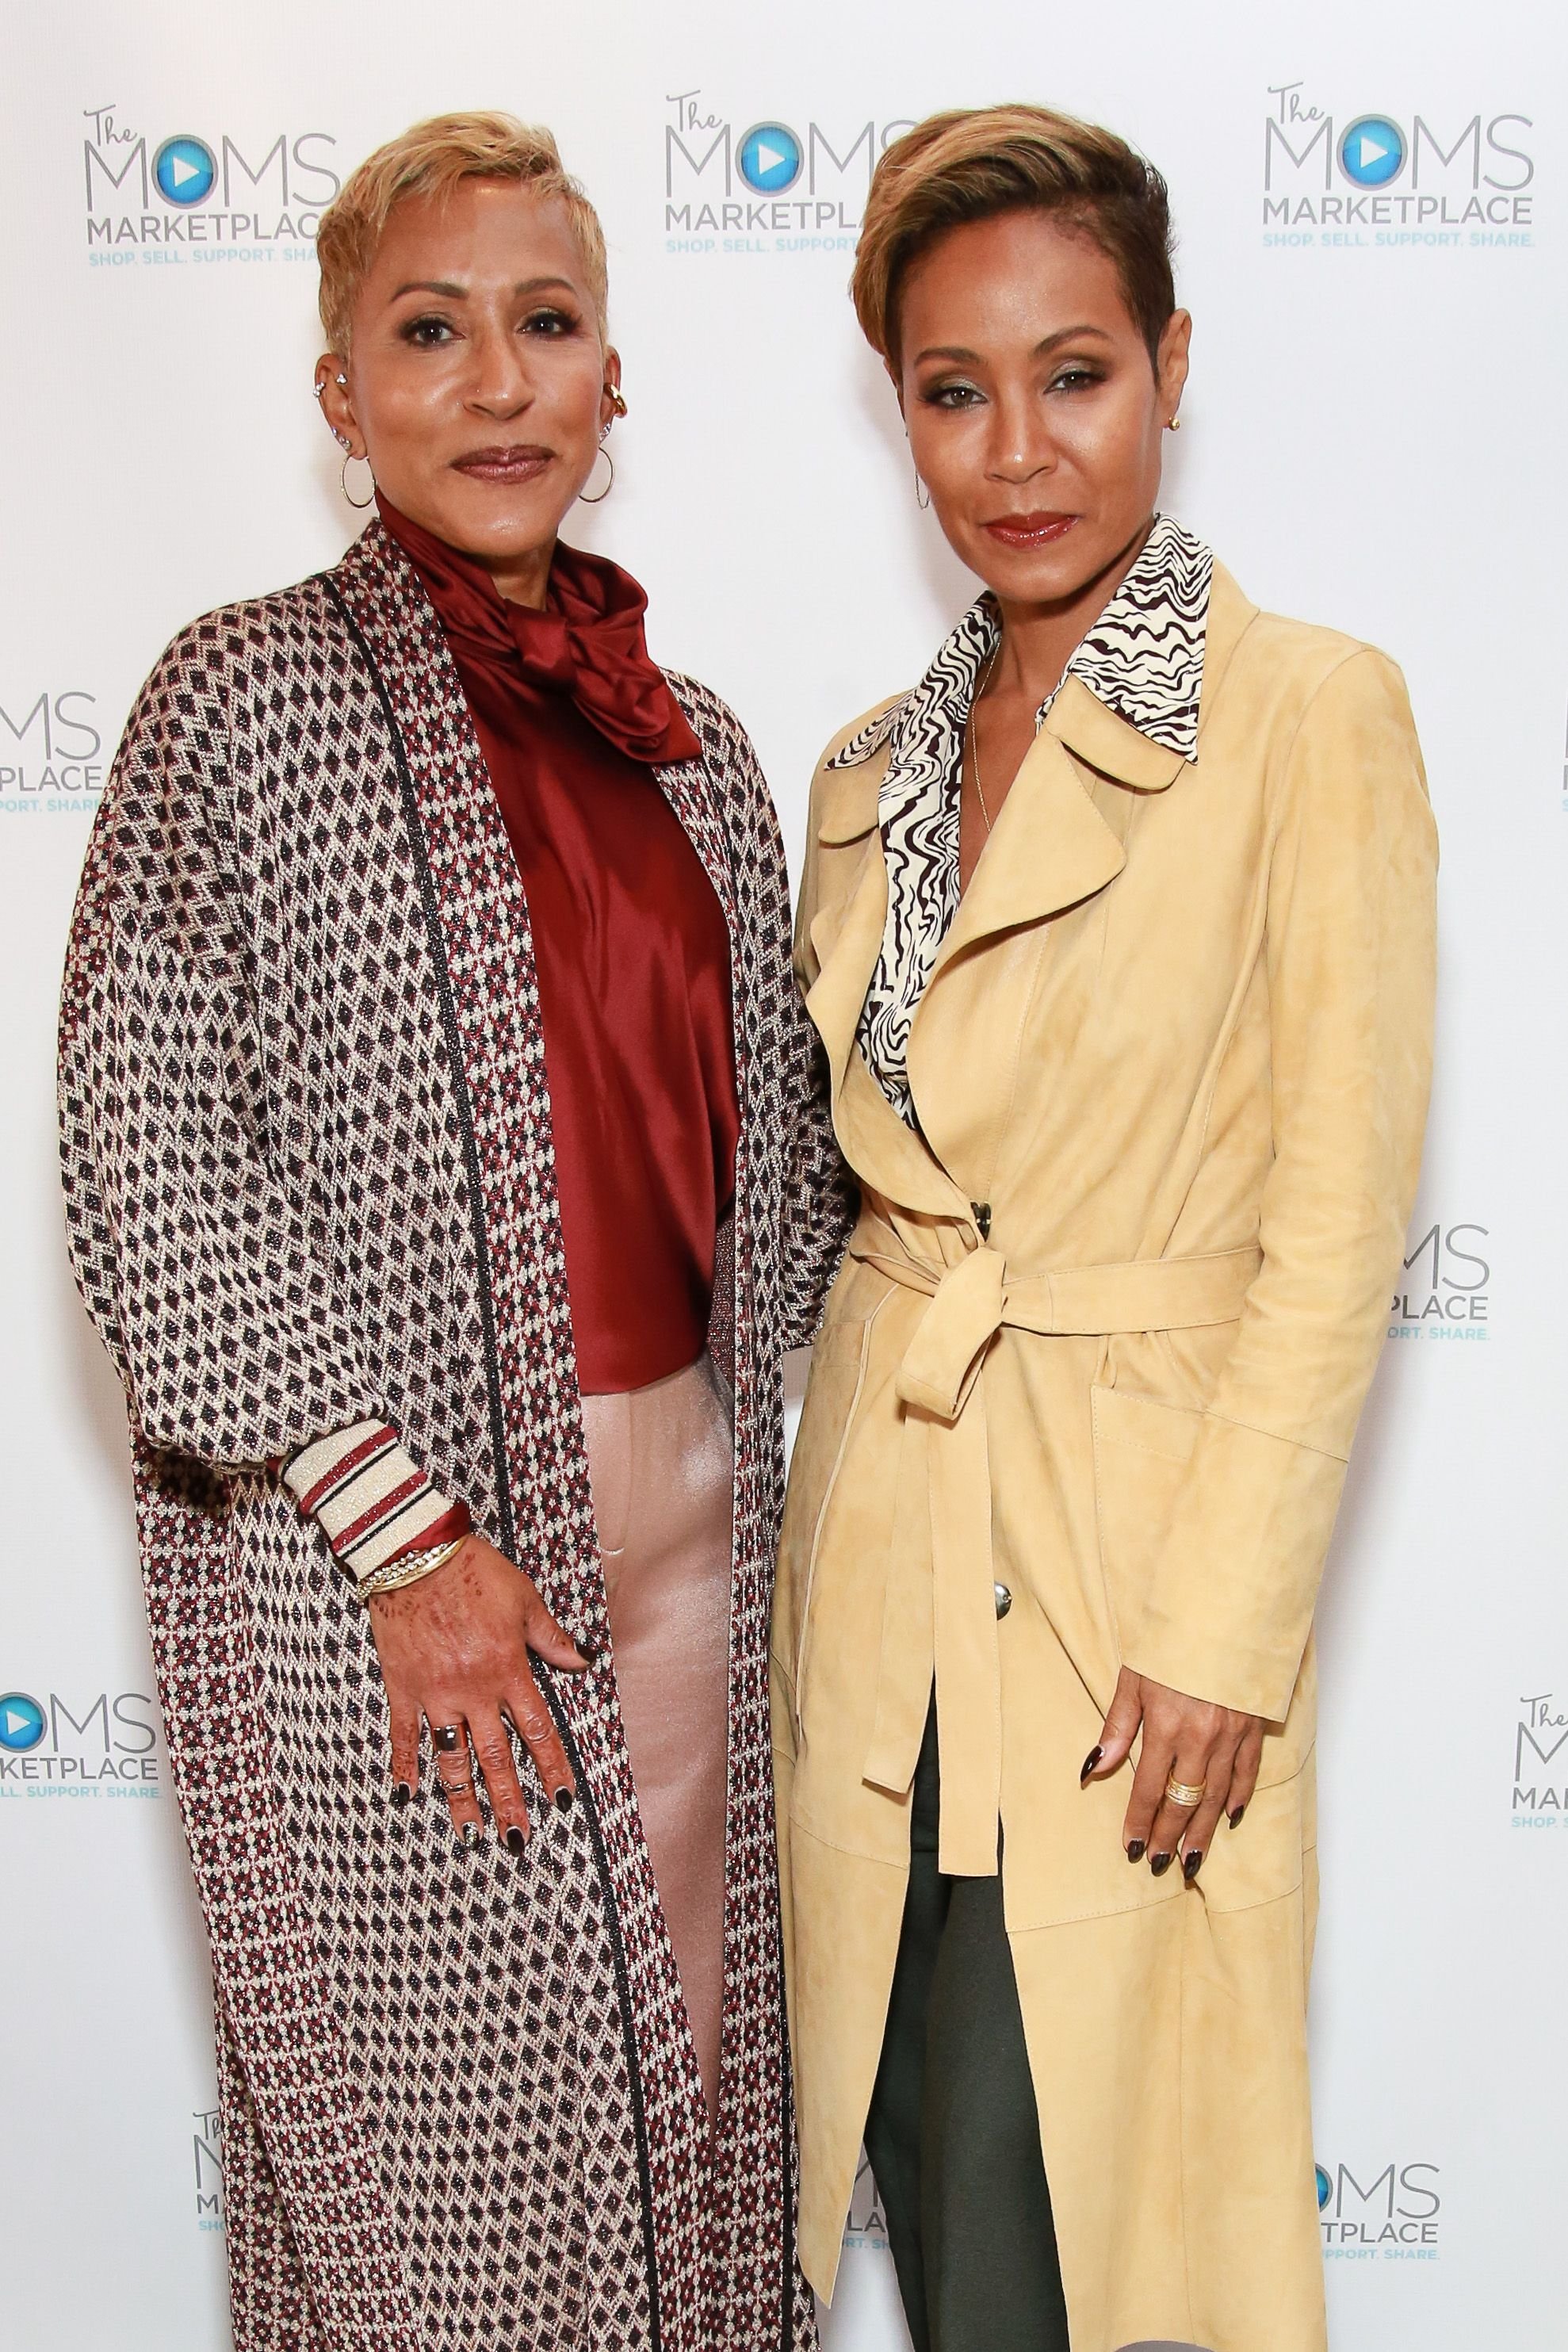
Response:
column 1184, row 1740
column 454, row 1648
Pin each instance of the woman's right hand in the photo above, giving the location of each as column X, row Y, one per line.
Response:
column 454, row 1648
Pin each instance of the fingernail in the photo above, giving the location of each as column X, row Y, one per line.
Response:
column 1135, row 1850
column 563, row 1800
column 1090, row 1761
column 471, row 1834
column 1235, row 1819
column 402, row 1793
column 1159, row 1863
column 1191, row 1865
column 591, row 1651
column 517, row 1841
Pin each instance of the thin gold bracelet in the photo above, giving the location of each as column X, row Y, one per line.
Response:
column 409, row 1567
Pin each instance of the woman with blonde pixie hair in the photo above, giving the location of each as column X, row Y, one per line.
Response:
column 1117, row 930
column 440, row 1175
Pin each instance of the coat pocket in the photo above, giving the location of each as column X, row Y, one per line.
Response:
column 1141, row 1449
column 827, row 1414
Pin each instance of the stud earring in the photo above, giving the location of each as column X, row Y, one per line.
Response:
column 1174, row 426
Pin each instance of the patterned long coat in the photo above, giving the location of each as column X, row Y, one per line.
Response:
column 309, row 1176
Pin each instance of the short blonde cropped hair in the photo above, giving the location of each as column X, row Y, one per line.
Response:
column 971, row 165
column 428, row 160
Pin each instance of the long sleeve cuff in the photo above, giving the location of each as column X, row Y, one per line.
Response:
column 369, row 1499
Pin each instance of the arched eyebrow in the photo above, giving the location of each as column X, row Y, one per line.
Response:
column 1049, row 343
column 454, row 293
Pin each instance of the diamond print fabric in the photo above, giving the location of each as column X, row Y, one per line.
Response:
column 308, row 1174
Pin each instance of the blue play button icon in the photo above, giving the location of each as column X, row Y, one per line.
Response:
column 185, row 169
column 22, row 1722
column 1372, row 151
column 770, row 158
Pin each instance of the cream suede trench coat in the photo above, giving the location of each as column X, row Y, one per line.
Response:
column 1102, row 1338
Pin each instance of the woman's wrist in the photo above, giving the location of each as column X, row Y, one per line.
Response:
column 373, row 1503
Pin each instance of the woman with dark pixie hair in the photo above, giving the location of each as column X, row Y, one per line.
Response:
column 441, row 1175
column 1118, row 930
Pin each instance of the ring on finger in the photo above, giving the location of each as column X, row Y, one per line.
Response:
column 448, row 1736
column 456, row 1788
column 1186, row 1793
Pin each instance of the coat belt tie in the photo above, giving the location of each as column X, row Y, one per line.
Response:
column 948, row 1620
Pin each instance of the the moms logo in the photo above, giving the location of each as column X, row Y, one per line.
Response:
column 866, row 2232
column 1391, row 2217
column 101, row 1745
column 749, row 186
column 1428, row 177
column 206, row 2156
column 1444, row 1291
column 209, row 193
column 1541, row 1762
column 49, row 750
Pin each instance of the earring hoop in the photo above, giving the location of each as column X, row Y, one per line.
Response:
column 600, row 496
column 922, row 496
column 359, row 504
column 617, row 399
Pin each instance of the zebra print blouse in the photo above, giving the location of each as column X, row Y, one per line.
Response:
column 1143, row 658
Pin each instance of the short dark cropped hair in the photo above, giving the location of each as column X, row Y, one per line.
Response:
column 973, row 165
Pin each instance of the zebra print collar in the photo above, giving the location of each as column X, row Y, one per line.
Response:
column 1143, row 659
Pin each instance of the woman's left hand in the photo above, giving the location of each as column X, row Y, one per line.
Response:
column 1184, row 1740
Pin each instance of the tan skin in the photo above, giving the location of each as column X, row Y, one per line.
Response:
column 478, row 383
column 1036, row 414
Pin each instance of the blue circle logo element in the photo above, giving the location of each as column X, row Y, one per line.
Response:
column 770, row 158
column 1372, row 151
column 1325, row 2186
column 185, row 169
column 22, row 1722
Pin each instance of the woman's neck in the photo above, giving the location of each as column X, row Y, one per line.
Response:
column 1040, row 640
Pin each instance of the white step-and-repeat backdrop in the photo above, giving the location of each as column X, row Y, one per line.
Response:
column 1372, row 215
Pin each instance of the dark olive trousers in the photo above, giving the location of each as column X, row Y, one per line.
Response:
column 953, row 2135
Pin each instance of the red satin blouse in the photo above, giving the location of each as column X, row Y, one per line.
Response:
column 630, row 942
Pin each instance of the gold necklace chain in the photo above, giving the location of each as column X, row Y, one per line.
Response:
column 971, row 739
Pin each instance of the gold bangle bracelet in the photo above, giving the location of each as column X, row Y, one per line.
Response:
column 409, row 1567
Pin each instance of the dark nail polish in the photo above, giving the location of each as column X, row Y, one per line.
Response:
column 1090, row 1761
column 516, row 1839
column 591, row 1651
column 471, row 1834
column 1159, row 1863
column 563, row 1801
column 401, row 1793
column 1235, row 1819
column 1191, row 1865
column 1135, row 1850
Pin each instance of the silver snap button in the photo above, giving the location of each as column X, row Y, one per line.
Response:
column 1003, row 1598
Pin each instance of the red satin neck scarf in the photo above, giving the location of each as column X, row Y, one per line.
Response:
column 587, row 643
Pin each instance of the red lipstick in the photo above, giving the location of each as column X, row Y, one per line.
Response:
column 1030, row 530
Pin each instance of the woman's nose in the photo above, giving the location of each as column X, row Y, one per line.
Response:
column 1021, row 444
column 500, row 381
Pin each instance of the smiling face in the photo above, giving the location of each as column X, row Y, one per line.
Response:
column 478, row 382
column 1035, row 413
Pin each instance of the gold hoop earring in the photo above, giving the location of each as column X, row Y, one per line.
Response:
column 600, row 496
column 617, row 398
column 922, row 496
column 359, row 504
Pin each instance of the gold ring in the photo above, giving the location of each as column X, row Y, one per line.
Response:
column 1183, row 1792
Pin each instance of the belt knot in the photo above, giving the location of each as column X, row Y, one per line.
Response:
column 967, row 1303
